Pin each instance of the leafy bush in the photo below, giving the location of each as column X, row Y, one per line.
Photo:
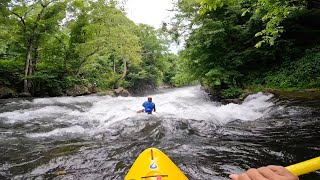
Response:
column 301, row 73
column 232, row 92
column 10, row 72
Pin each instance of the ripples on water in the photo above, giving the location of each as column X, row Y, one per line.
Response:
column 100, row 137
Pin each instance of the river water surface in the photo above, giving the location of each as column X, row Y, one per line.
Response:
column 94, row 137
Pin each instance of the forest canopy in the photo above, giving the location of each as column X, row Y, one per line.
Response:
column 50, row 46
column 233, row 45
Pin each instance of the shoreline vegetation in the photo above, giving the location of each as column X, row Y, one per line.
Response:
column 239, row 46
column 284, row 93
column 289, row 93
column 232, row 48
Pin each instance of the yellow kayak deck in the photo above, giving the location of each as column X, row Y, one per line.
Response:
column 153, row 164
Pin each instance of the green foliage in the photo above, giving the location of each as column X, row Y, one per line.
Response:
column 183, row 76
column 156, row 61
column 272, row 13
column 171, row 66
column 50, row 46
column 98, row 43
column 10, row 72
column 211, row 51
column 222, row 34
column 303, row 72
column 231, row 92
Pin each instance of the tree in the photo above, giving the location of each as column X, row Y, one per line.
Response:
column 34, row 18
column 154, row 51
column 72, row 43
column 220, row 43
column 101, row 32
column 272, row 13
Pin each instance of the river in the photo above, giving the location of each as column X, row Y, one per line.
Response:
column 99, row 137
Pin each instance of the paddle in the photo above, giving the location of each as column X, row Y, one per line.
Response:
column 305, row 166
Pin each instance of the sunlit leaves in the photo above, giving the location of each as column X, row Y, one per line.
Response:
column 153, row 52
column 272, row 13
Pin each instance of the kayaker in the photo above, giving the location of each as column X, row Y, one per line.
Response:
column 149, row 106
column 265, row 173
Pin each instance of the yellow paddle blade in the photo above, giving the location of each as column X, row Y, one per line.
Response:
column 305, row 166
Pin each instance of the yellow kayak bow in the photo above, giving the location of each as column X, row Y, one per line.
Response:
column 153, row 164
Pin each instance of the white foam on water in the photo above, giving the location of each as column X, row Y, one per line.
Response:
column 30, row 114
column 253, row 107
column 66, row 100
column 59, row 132
column 189, row 103
column 105, row 111
column 55, row 100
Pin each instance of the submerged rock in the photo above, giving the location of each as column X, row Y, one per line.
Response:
column 6, row 92
column 77, row 90
column 105, row 93
column 24, row 94
column 121, row 92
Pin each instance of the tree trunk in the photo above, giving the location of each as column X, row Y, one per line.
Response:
column 85, row 59
column 124, row 73
column 36, row 56
column 28, row 64
column 125, row 60
column 27, row 67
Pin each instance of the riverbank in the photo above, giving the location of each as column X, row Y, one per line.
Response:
column 81, row 90
column 290, row 94
column 299, row 94
column 6, row 93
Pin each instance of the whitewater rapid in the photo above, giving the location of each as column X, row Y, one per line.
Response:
column 99, row 137
column 91, row 115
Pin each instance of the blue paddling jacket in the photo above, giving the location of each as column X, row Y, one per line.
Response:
column 149, row 106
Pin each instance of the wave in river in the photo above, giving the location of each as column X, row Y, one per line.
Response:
column 94, row 114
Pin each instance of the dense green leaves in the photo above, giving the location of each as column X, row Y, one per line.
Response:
column 50, row 45
column 223, row 35
column 156, row 60
column 272, row 13
column 303, row 72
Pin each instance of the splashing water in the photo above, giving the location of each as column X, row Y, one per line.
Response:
column 96, row 137
column 96, row 114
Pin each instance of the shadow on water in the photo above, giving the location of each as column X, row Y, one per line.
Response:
column 204, row 148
